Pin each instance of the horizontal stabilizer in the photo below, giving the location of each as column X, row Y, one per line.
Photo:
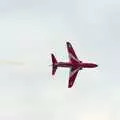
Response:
column 54, row 64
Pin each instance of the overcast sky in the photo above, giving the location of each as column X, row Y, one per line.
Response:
column 30, row 30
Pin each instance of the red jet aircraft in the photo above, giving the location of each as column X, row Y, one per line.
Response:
column 74, row 64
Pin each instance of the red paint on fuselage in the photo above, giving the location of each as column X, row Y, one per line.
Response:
column 88, row 65
column 64, row 64
column 81, row 65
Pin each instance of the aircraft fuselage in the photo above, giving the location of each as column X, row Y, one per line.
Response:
column 78, row 65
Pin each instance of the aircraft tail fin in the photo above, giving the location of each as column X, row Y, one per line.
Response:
column 54, row 64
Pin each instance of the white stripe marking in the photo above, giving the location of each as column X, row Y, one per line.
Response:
column 71, row 56
column 72, row 73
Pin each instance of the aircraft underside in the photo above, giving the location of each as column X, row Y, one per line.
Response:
column 74, row 65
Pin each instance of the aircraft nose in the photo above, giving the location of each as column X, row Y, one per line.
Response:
column 96, row 65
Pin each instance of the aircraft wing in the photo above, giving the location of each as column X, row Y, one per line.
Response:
column 72, row 75
column 72, row 56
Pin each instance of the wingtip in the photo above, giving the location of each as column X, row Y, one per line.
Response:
column 69, row 86
column 52, row 54
column 67, row 42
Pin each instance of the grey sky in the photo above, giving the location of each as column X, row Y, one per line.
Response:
column 30, row 31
